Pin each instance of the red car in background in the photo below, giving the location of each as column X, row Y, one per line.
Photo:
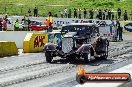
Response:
column 39, row 26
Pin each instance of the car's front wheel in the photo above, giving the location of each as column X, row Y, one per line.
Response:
column 48, row 57
column 106, row 54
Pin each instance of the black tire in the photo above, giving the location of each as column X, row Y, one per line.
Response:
column 87, row 57
column 71, row 59
column 48, row 57
column 97, row 58
column 106, row 54
column 81, row 79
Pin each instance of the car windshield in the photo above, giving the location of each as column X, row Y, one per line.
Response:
column 76, row 28
column 37, row 23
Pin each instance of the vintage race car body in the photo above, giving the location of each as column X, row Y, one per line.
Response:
column 79, row 41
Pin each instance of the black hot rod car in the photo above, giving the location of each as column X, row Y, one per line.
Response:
column 80, row 40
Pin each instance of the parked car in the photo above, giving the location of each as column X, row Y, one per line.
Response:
column 81, row 40
column 37, row 25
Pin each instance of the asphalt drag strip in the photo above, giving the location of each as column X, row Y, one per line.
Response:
column 123, row 61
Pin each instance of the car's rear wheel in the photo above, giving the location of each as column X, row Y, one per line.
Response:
column 48, row 57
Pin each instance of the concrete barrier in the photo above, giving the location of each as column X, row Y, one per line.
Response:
column 34, row 42
column 8, row 48
column 16, row 36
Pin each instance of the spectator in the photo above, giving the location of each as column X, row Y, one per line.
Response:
column 16, row 25
column 23, row 22
column 0, row 24
column 117, row 28
column 120, row 33
column 35, row 12
column 47, row 22
column 79, row 13
column 28, row 21
column 125, row 15
column 23, row 19
column 69, row 13
column 85, row 13
column 91, row 13
column 29, row 12
column 6, row 18
column 75, row 13
column 119, row 13
column 50, row 19
column 103, row 15
column 4, row 23
column 112, row 13
column 109, row 14
column 65, row 12
column 106, row 14
column 100, row 14
column 97, row 12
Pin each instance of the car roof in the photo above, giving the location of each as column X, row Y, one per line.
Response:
column 37, row 20
column 89, row 24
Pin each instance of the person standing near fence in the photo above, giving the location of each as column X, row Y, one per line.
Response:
column 125, row 16
column 103, row 14
column 50, row 20
column 91, row 13
column 75, row 13
column 119, row 13
column 97, row 13
column 106, row 14
column 69, row 13
column 109, row 14
column 117, row 28
column 35, row 12
column 112, row 13
column 79, row 13
column 100, row 14
column 29, row 12
column 85, row 13
column 65, row 12
column 16, row 25
column 4, row 23
column 0, row 24
column 120, row 32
